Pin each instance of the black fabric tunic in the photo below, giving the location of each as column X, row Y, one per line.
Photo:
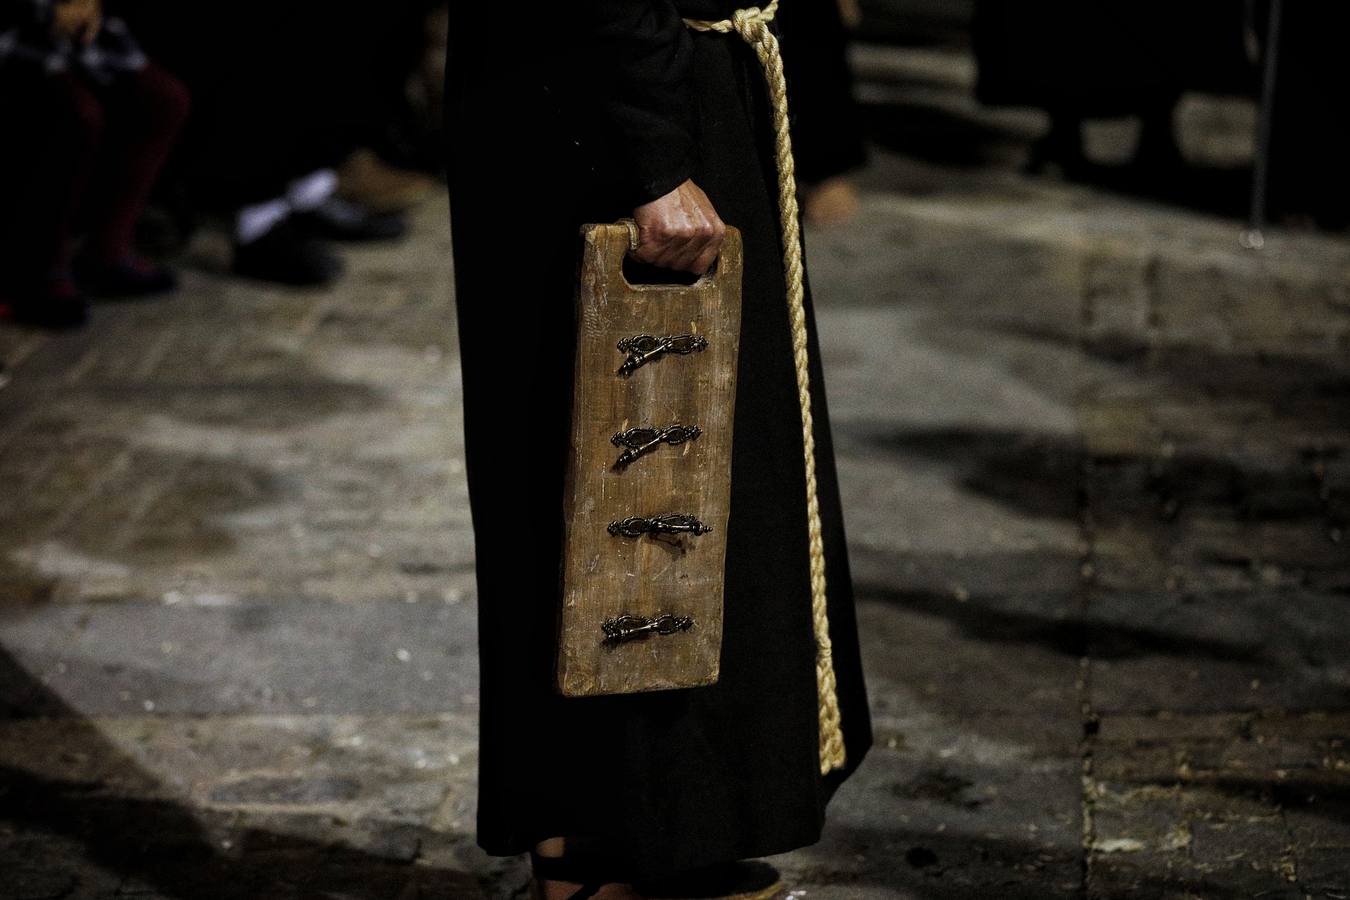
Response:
column 556, row 121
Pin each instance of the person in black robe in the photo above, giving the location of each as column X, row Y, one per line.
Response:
column 1308, row 149
column 827, row 130
column 585, row 112
column 1088, row 60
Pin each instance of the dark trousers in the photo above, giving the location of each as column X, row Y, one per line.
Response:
column 79, row 157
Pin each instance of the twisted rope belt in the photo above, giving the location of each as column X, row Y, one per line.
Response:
column 752, row 24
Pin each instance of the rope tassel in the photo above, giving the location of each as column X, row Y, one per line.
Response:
column 752, row 24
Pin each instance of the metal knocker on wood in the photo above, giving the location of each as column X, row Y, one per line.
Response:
column 624, row 628
column 643, row 348
column 645, row 534
column 637, row 441
column 637, row 526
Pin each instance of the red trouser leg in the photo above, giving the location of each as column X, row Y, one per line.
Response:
column 145, row 112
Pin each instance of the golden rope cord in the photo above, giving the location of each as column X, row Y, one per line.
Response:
column 752, row 24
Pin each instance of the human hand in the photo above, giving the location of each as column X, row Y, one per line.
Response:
column 679, row 231
column 78, row 20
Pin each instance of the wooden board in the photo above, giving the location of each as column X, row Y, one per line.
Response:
column 609, row 570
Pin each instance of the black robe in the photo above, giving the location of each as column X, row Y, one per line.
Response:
column 554, row 121
column 1108, row 58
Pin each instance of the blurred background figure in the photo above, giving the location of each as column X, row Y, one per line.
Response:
column 1311, row 118
column 294, row 103
column 1115, row 59
column 89, row 122
column 827, row 137
column 1102, row 60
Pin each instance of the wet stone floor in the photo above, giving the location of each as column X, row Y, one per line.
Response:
column 1096, row 465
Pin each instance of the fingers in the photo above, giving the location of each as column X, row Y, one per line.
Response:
column 703, row 252
column 680, row 231
column 704, row 261
column 688, row 244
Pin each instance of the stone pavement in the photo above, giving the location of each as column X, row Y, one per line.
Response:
column 1096, row 461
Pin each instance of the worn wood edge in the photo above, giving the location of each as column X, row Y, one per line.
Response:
column 568, row 681
column 566, row 690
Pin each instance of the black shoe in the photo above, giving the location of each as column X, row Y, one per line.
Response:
column 560, row 868
column 343, row 220
column 130, row 277
column 286, row 254
column 57, row 306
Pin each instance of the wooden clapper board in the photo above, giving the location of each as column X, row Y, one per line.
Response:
column 649, row 474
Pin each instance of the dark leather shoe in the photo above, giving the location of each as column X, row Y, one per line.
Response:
column 57, row 306
column 286, row 254
column 130, row 277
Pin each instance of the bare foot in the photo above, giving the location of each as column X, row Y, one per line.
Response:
column 549, row 889
column 851, row 14
column 832, row 202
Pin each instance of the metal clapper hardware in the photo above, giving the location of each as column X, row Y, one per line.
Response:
column 625, row 627
column 676, row 523
column 642, row 348
column 640, row 440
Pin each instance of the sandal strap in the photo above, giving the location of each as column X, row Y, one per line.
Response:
column 561, row 868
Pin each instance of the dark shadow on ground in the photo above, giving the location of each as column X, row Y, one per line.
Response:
column 1074, row 636
column 1046, row 476
column 161, row 845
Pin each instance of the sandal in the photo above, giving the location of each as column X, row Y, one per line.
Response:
column 560, row 868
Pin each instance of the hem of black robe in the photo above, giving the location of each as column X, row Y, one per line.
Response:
column 629, row 870
column 641, row 870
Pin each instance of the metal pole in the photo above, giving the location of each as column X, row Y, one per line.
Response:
column 1254, row 238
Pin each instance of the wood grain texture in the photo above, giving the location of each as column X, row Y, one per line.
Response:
column 605, row 576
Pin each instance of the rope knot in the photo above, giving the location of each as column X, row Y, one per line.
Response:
column 749, row 23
